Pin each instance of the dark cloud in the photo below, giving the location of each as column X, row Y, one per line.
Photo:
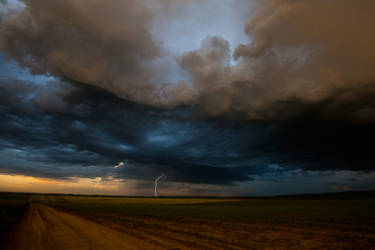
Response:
column 105, row 44
column 298, row 100
column 56, row 134
column 194, row 174
column 56, row 139
column 304, row 56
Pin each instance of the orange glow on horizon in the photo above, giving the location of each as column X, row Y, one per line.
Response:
column 95, row 186
column 74, row 185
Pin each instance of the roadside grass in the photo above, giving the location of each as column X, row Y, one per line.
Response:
column 12, row 207
column 347, row 215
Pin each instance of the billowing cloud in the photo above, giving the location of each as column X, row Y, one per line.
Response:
column 296, row 97
column 305, row 57
column 106, row 44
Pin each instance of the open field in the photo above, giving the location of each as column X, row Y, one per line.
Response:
column 96, row 222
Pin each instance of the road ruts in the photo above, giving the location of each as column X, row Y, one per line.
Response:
column 45, row 228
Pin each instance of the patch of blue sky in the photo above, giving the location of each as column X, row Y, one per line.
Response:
column 196, row 23
column 9, row 69
column 179, row 34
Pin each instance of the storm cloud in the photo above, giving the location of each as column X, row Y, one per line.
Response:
column 295, row 97
column 297, row 61
column 305, row 56
column 83, row 131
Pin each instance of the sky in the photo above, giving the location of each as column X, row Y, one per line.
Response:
column 224, row 97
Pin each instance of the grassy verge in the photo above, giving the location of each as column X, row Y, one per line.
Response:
column 12, row 207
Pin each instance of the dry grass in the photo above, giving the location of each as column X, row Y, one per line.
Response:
column 230, row 223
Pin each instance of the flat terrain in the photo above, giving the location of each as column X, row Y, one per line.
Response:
column 46, row 228
column 95, row 222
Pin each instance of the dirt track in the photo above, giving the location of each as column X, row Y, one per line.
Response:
column 46, row 228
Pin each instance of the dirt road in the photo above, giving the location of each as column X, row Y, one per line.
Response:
column 44, row 227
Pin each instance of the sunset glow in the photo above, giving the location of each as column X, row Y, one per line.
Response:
column 21, row 183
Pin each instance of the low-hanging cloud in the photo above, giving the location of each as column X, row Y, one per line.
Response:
column 304, row 57
column 60, row 141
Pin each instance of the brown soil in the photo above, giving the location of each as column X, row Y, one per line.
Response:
column 196, row 234
column 44, row 227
